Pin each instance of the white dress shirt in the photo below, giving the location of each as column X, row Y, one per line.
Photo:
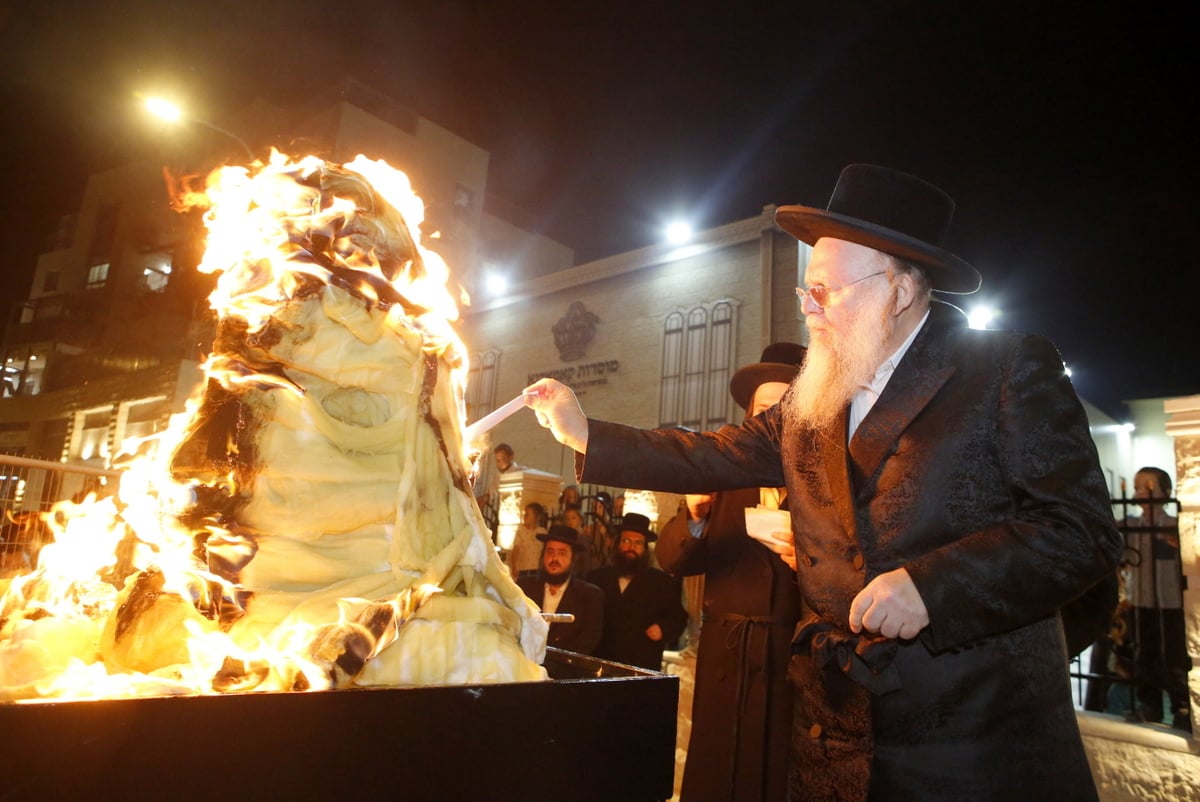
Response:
column 868, row 394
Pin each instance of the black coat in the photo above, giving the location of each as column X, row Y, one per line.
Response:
column 651, row 598
column 742, row 704
column 975, row 471
column 582, row 599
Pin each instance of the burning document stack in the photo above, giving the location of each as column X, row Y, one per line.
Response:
column 308, row 523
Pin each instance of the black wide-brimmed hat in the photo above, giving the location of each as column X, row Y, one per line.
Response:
column 889, row 211
column 780, row 363
column 563, row 534
column 636, row 522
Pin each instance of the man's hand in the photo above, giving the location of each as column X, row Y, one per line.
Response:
column 782, row 543
column 654, row 632
column 699, row 505
column 890, row 605
column 558, row 410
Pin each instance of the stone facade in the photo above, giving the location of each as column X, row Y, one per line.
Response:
column 618, row 372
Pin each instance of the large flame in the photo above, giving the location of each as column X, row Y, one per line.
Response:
column 198, row 578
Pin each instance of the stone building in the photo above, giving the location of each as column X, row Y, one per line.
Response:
column 649, row 337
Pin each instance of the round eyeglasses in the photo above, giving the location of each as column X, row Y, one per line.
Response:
column 820, row 295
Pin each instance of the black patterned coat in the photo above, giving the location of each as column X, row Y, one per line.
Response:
column 742, row 704
column 976, row 472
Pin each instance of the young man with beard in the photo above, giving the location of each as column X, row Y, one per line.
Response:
column 946, row 502
column 554, row 591
column 643, row 607
column 742, row 704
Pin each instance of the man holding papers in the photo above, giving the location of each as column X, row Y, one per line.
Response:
column 742, row 708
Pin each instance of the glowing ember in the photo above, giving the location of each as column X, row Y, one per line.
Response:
column 308, row 522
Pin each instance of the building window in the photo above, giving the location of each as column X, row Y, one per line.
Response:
column 481, row 385
column 50, row 281
column 93, row 434
column 156, row 279
column 97, row 275
column 698, row 352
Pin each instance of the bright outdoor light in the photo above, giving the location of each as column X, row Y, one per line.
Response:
column 171, row 112
column 679, row 233
column 497, row 284
column 164, row 109
column 981, row 316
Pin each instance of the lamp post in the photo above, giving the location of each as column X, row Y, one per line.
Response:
column 166, row 110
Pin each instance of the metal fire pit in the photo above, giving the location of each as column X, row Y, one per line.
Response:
column 598, row 731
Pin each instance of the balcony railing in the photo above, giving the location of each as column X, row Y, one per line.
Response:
column 1140, row 670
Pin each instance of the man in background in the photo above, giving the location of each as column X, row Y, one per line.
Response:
column 742, row 704
column 553, row 590
column 643, row 607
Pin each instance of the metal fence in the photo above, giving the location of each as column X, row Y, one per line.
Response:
column 1139, row 671
column 28, row 489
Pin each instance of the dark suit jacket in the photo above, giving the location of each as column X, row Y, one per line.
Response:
column 742, row 703
column 582, row 599
column 975, row 472
column 651, row 598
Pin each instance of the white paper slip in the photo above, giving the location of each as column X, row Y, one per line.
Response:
column 763, row 522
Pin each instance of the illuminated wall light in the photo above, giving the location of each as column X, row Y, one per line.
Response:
column 643, row 502
column 981, row 316
column 163, row 109
column 679, row 233
column 496, row 284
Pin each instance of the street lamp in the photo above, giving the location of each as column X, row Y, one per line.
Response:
column 166, row 110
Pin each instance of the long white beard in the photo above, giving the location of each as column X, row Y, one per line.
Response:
column 837, row 367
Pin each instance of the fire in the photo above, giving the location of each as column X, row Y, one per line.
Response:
column 307, row 522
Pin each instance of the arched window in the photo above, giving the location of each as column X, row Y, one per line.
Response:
column 481, row 385
column 698, row 348
column 672, row 369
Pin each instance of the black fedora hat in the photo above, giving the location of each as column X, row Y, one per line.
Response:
column 780, row 362
column 889, row 211
column 563, row 534
column 636, row 522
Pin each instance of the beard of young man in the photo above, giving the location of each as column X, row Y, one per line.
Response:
column 629, row 563
column 842, row 362
column 556, row 570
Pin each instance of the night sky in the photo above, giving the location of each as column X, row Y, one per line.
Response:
column 1061, row 135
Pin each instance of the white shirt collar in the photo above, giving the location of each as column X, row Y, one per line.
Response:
column 868, row 394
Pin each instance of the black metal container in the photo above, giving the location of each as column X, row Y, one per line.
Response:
column 597, row 731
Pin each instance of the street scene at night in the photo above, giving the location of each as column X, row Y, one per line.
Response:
column 594, row 373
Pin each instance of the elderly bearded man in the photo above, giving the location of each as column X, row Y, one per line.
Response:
column 946, row 502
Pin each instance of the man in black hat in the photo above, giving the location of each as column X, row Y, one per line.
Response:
column 643, row 607
column 742, row 703
column 946, row 502
column 553, row 590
